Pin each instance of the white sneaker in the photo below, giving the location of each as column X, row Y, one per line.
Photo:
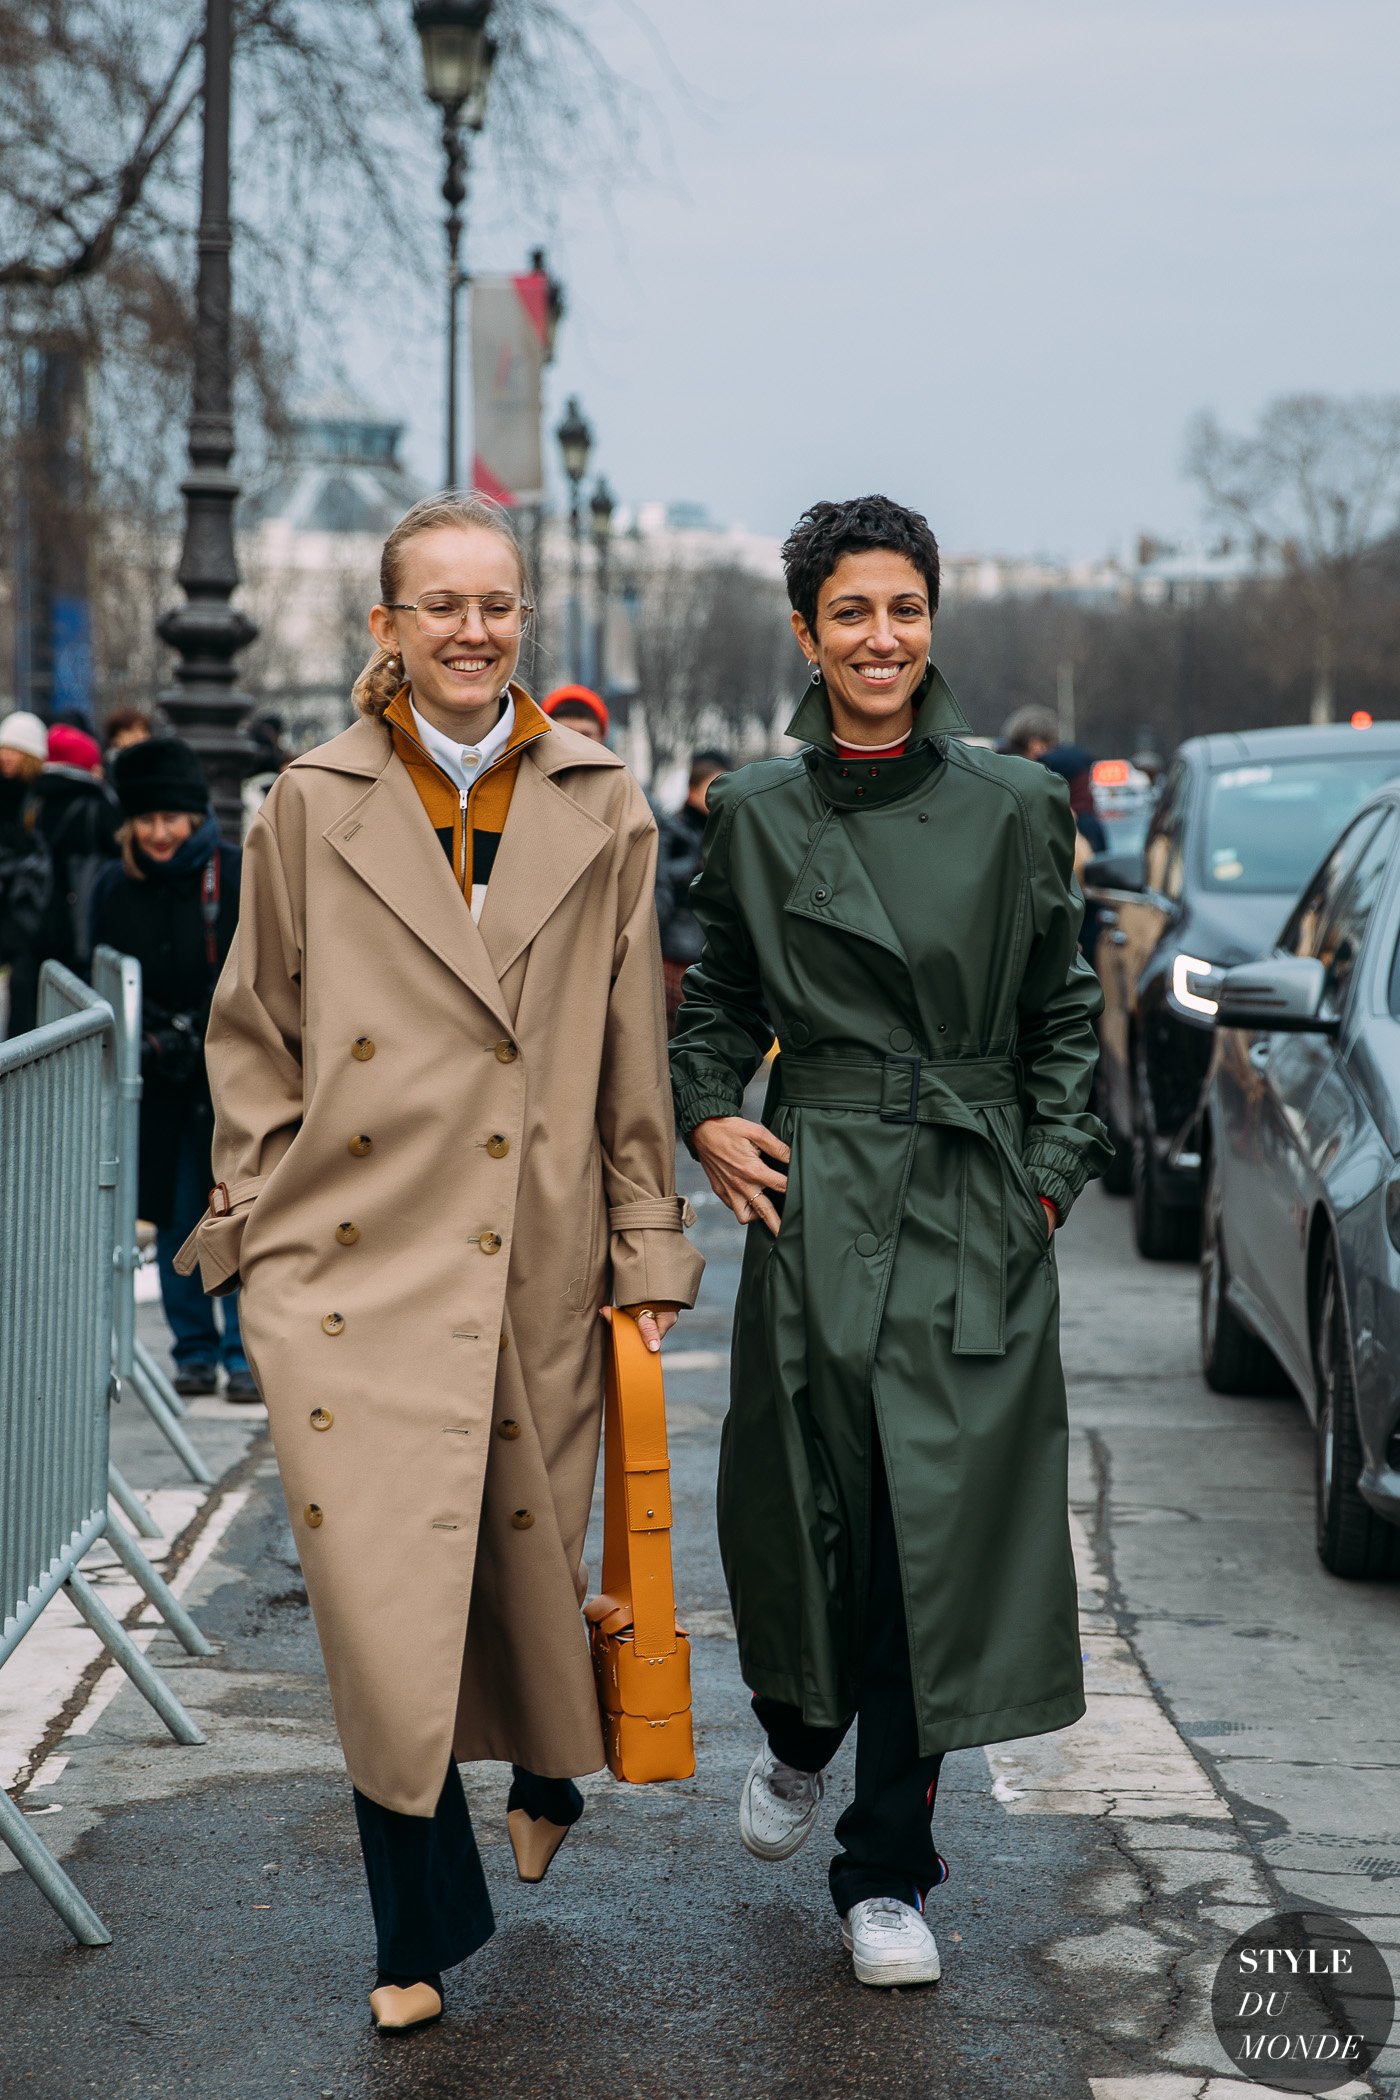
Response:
column 890, row 1942
column 778, row 1807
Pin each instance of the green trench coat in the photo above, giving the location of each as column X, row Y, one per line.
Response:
column 908, row 932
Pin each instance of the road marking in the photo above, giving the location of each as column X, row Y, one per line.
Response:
column 694, row 1359
column 1171, row 2086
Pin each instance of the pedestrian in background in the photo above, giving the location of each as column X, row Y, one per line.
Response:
column 581, row 709
column 124, row 726
column 444, row 1146
column 676, row 868
column 899, row 909
column 172, row 902
column 76, row 815
column 1075, row 767
column 26, row 870
column 1029, row 732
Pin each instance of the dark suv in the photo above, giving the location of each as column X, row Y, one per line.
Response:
column 1241, row 822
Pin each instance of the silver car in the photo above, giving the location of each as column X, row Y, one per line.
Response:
column 1300, row 1255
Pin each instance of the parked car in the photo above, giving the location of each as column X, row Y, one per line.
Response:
column 1240, row 820
column 1122, row 803
column 1300, row 1242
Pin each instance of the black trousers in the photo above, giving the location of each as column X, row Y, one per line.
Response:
column 886, row 1834
column 426, row 1886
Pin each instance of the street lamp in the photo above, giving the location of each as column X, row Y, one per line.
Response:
column 600, row 511
column 457, row 59
column 575, row 444
column 205, row 705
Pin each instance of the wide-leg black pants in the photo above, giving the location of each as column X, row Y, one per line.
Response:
column 427, row 1890
column 886, row 1834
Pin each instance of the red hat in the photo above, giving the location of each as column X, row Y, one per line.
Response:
column 69, row 747
column 577, row 696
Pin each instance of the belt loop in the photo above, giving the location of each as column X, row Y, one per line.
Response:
column 907, row 1109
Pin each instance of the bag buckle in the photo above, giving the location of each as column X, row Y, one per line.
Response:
column 220, row 1188
column 904, row 1108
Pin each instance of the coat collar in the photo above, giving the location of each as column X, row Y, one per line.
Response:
column 547, row 844
column 937, row 714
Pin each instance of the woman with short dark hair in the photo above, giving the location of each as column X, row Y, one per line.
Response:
column 899, row 909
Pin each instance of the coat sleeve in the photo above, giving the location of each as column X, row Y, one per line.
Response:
column 1065, row 1146
column 253, row 1055
column 652, row 1261
column 723, row 1032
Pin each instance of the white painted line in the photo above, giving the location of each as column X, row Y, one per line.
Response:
column 49, row 1772
column 1171, row 2085
column 694, row 1359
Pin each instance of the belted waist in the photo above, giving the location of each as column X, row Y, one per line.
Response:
column 900, row 1088
column 912, row 1089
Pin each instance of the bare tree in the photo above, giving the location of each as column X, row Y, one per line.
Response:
column 713, row 648
column 1318, row 485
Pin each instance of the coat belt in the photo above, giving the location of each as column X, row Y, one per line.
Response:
column 912, row 1090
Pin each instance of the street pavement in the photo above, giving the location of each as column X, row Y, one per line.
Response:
column 1238, row 1757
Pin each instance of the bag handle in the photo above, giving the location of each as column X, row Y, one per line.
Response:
column 638, row 1585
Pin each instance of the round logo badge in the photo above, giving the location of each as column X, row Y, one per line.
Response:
column 1303, row 2002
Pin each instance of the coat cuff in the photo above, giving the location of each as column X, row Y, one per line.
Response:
column 216, row 1244
column 655, row 1267
column 1058, row 1171
column 696, row 1104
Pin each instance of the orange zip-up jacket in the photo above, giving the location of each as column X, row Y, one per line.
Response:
column 469, row 825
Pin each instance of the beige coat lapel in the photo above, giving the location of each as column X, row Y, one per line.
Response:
column 547, row 844
column 386, row 838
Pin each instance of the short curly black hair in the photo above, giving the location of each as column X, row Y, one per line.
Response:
column 828, row 530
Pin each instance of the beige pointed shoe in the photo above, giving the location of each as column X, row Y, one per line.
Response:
column 534, row 1840
column 394, row 2006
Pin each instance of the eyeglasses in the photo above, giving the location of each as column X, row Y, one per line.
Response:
column 441, row 613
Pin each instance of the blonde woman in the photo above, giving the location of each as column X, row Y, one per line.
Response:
column 444, row 1145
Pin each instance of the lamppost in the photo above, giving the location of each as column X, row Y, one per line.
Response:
column 457, row 60
column 205, row 705
column 575, row 444
column 600, row 511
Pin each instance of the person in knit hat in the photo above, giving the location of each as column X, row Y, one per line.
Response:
column 581, row 708
column 172, row 902
column 26, row 872
column 71, row 809
column 24, row 745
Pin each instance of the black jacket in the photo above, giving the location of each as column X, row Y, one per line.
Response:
column 77, row 815
column 26, row 877
column 677, row 865
column 161, row 920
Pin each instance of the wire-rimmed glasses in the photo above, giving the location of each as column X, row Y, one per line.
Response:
column 441, row 613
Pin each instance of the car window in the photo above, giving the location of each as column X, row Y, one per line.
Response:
column 1162, row 863
column 1309, row 919
column 1344, row 935
column 1265, row 825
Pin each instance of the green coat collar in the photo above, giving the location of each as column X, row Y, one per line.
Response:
column 936, row 714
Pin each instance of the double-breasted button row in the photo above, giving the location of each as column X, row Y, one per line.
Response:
column 490, row 1242
column 522, row 1519
column 321, row 1418
column 347, row 1233
column 362, row 1048
column 361, row 1145
column 333, row 1323
column 506, row 1053
column 498, row 1146
column 509, row 1429
column 314, row 1515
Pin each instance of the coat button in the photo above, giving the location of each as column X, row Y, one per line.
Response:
column 821, row 896
column 900, row 1039
column 498, row 1146
column 360, row 1145
column 489, row 1242
column 314, row 1515
column 347, row 1233
column 505, row 1341
column 506, row 1053
column 363, row 1048
column 508, row 1429
column 522, row 1519
column 321, row 1418
column 867, row 1243
column 334, row 1323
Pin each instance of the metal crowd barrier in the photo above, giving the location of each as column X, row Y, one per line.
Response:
column 117, row 979
column 58, row 1185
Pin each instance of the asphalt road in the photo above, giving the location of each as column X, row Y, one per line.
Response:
column 1239, row 1753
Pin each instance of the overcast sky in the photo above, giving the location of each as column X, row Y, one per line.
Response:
column 985, row 255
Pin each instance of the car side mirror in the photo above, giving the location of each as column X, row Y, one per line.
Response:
column 1114, row 871
column 1284, row 992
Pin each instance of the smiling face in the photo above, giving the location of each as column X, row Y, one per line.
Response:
column 162, row 833
column 871, row 643
column 457, row 679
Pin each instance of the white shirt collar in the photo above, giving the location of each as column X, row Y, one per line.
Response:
column 464, row 763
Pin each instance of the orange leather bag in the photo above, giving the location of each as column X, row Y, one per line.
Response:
column 641, row 1658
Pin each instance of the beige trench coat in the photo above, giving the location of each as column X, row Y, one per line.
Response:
column 445, row 1147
